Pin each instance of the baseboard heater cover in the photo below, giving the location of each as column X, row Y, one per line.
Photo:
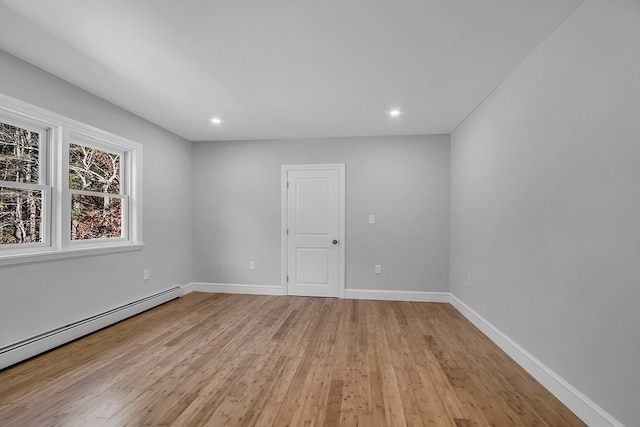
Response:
column 22, row 350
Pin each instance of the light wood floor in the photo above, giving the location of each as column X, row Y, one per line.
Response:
column 245, row 360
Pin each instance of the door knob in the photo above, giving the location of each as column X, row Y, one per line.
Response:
column 335, row 242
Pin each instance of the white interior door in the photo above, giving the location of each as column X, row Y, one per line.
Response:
column 314, row 230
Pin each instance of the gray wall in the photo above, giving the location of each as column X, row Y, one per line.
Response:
column 38, row 296
column 545, row 209
column 545, row 212
column 403, row 181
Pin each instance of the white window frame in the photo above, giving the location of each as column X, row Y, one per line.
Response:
column 47, row 132
column 59, row 132
column 125, row 189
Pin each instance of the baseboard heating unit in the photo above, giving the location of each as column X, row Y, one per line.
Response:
column 22, row 350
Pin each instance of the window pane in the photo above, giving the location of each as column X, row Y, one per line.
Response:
column 19, row 154
column 95, row 217
column 20, row 216
column 93, row 170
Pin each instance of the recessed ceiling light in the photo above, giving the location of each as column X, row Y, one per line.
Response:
column 216, row 121
column 395, row 113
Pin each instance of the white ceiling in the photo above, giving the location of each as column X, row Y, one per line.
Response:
column 283, row 69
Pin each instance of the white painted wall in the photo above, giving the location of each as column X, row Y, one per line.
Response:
column 545, row 214
column 36, row 297
column 403, row 181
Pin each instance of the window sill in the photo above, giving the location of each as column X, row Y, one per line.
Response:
column 69, row 253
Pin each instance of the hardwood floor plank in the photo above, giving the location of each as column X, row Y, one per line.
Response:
column 246, row 360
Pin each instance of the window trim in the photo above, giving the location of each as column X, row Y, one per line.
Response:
column 47, row 130
column 61, row 131
column 126, row 188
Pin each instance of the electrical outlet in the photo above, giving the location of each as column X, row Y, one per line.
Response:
column 252, row 265
column 145, row 274
column 378, row 269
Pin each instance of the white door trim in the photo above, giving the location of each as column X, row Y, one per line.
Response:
column 340, row 167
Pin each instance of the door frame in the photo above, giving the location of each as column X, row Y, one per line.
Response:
column 340, row 167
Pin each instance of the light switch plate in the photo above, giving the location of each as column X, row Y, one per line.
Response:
column 372, row 219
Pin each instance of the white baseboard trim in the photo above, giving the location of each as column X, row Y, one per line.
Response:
column 383, row 295
column 587, row 410
column 418, row 296
column 230, row 288
column 32, row 346
column 187, row 288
